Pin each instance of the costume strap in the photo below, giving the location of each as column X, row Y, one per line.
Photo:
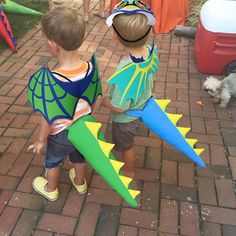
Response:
column 131, row 41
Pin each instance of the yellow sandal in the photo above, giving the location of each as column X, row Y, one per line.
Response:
column 81, row 189
column 39, row 184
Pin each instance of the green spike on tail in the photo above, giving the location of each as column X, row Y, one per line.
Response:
column 86, row 136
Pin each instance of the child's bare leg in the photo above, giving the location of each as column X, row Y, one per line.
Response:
column 52, row 177
column 86, row 4
column 101, row 12
column 129, row 159
column 80, row 169
column 102, row 7
column 50, row 3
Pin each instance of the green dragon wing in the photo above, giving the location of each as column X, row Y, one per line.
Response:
column 58, row 99
column 130, row 79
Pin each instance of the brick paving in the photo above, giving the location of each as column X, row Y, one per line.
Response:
column 177, row 198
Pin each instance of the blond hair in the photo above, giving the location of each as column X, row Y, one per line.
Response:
column 65, row 27
column 132, row 30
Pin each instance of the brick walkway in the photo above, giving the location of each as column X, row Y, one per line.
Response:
column 177, row 197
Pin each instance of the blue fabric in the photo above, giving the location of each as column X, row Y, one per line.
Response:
column 158, row 122
column 58, row 148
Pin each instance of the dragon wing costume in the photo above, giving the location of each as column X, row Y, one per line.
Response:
column 5, row 30
column 56, row 99
column 130, row 82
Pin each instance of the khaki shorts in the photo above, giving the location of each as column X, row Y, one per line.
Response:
column 123, row 135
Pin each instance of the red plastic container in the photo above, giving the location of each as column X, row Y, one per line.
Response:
column 215, row 41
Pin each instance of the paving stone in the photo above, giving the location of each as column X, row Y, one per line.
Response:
column 21, row 164
column 211, row 229
column 175, row 156
column 103, row 197
column 4, row 198
column 127, row 230
column 57, row 206
column 232, row 151
column 218, row 155
column 26, row 200
column 229, row 135
column 169, row 216
column 206, row 190
column 189, row 219
column 169, row 172
column 73, row 204
column 26, row 223
column 108, row 221
column 150, row 196
column 88, row 220
column 186, row 175
column 222, row 172
column 148, row 232
column 153, row 158
column 8, row 219
column 228, row 230
column 225, row 193
column 8, row 182
column 42, row 233
column 232, row 161
column 137, row 218
column 178, row 193
column 218, row 215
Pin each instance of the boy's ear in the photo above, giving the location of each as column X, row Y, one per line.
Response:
column 53, row 46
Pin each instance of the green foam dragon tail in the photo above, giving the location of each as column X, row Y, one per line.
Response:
column 84, row 134
column 12, row 7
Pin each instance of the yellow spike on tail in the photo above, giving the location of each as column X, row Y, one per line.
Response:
column 125, row 180
column 191, row 141
column 183, row 130
column 198, row 150
column 163, row 103
column 117, row 165
column 174, row 117
column 93, row 127
column 134, row 193
column 106, row 147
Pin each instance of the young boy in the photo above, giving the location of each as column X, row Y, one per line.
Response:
column 131, row 30
column 63, row 30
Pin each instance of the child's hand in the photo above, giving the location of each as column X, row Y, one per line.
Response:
column 106, row 101
column 36, row 146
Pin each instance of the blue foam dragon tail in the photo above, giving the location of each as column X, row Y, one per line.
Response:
column 163, row 125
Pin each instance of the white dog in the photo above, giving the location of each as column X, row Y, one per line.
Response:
column 221, row 90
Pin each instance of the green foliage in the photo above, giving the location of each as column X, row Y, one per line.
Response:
column 20, row 24
column 194, row 14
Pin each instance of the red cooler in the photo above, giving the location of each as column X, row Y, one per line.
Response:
column 215, row 41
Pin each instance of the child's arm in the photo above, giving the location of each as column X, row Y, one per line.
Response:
column 106, row 102
column 44, row 131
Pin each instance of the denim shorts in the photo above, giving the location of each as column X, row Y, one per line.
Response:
column 58, row 147
column 123, row 134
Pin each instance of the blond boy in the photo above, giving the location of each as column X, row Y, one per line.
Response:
column 132, row 32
